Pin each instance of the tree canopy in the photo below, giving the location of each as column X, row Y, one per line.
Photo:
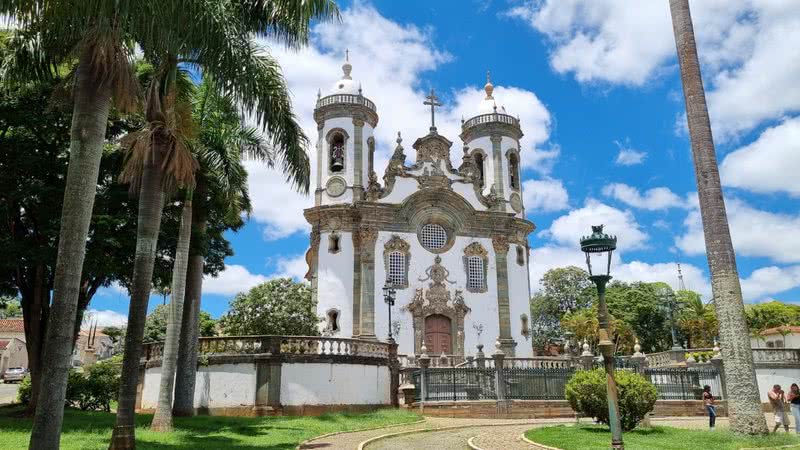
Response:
column 280, row 306
column 155, row 328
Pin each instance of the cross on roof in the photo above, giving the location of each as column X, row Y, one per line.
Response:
column 433, row 101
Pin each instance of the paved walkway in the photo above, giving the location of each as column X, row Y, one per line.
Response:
column 486, row 434
column 8, row 393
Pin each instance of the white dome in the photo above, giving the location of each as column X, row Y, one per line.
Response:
column 488, row 104
column 346, row 85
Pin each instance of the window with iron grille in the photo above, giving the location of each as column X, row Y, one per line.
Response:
column 475, row 279
column 397, row 269
column 433, row 236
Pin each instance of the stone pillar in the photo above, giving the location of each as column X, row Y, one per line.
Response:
column 321, row 165
column 497, row 157
column 358, row 160
column 367, row 235
column 677, row 356
column 716, row 361
column 268, row 385
column 500, row 244
column 356, row 282
column 424, row 363
column 586, row 358
column 480, row 358
column 312, row 258
column 638, row 359
column 503, row 405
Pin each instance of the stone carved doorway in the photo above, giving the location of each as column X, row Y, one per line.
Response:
column 438, row 338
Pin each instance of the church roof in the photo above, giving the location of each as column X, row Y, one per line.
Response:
column 346, row 85
column 489, row 104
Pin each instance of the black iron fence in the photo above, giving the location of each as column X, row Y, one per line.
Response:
column 528, row 383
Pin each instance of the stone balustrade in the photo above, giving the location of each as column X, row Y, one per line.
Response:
column 488, row 118
column 789, row 356
column 660, row 359
column 346, row 99
column 286, row 346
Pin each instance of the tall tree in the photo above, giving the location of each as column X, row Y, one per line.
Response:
column 743, row 402
column 280, row 306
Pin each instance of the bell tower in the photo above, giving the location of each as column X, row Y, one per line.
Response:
column 346, row 120
column 492, row 137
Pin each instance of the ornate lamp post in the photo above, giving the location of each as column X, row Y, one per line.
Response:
column 388, row 297
column 597, row 246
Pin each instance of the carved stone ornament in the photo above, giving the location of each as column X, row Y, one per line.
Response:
column 367, row 234
column 396, row 243
column 336, row 186
column 374, row 189
column 432, row 151
column 500, row 243
column 437, row 299
column 476, row 249
column 516, row 202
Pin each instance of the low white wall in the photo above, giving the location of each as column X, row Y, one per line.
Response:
column 334, row 384
column 769, row 376
column 218, row 386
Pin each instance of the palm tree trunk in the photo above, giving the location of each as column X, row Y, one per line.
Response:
column 151, row 206
column 92, row 101
column 186, row 373
column 162, row 421
column 744, row 405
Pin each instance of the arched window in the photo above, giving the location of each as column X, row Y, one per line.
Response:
column 513, row 169
column 337, row 153
column 332, row 319
column 396, row 256
column 479, row 162
column 475, row 261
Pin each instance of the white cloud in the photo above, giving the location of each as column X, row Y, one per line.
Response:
column 568, row 228
column 104, row 318
column 545, row 195
column 768, row 281
column 745, row 46
column 754, row 233
column 232, row 280
column 629, row 156
column 770, row 164
column 652, row 199
column 294, row 267
column 389, row 61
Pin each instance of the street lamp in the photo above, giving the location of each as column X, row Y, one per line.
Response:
column 388, row 297
column 596, row 247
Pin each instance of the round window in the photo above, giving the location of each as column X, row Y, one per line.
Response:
column 433, row 236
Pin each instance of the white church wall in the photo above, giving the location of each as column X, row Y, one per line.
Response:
column 519, row 298
column 335, row 281
column 483, row 305
column 334, row 384
column 467, row 191
column 403, row 188
column 485, row 144
column 218, row 386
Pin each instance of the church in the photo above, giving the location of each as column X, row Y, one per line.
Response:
column 451, row 242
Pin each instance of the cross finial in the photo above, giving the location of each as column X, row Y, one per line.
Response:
column 347, row 54
column 433, row 101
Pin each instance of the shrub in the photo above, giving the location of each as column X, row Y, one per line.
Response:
column 586, row 393
column 92, row 389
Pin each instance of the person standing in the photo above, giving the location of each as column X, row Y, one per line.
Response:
column 708, row 401
column 794, row 403
column 777, row 400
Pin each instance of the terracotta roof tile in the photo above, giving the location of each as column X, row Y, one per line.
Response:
column 777, row 330
column 12, row 325
column 4, row 344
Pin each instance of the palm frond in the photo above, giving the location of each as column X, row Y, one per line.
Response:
column 287, row 21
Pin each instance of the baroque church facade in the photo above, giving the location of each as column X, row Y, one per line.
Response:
column 452, row 242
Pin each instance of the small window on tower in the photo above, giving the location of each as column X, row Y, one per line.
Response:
column 333, row 243
column 337, row 153
column 479, row 163
column 332, row 326
column 513, row 169
column 520, row 255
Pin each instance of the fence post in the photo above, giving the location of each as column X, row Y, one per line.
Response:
column 587, row 358
column 499, row 379
column 638, row 359
column 480, row 358
column 424, row 363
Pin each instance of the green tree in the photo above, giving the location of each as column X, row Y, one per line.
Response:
column 771, row 314
column 639, row 306
column 563, row 290
column 743, row 402
column 696, row 320
column 9, row 307
column 280, row 307
column 155, row 328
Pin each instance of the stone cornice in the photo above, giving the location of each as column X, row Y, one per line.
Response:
column 355, row 111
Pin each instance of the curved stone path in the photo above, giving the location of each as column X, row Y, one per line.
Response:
column 484, row 434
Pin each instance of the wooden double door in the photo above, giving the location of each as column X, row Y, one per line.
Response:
column 438, row 335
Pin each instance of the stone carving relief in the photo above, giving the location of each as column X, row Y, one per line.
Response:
column 336, row 186
column 437, row 299
column 500, row 243
column 374, row 189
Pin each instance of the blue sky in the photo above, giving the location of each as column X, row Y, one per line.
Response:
column 596, row 86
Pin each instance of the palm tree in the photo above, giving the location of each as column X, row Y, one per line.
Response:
column 252, row 78
column 743, row 402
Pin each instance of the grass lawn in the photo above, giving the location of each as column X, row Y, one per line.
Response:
column 92, row 430
column 656, row 438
